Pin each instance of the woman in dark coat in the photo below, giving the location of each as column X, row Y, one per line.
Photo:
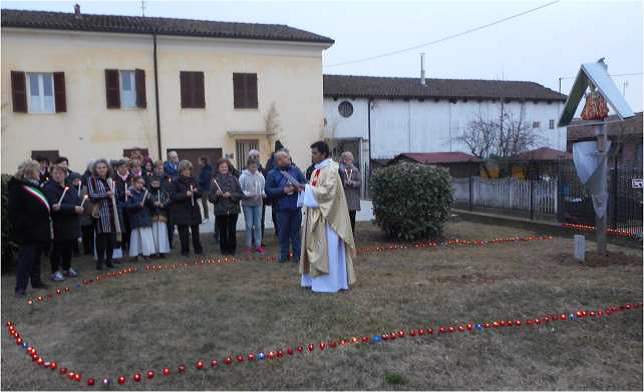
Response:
column 186, row 214
column 65, row 214
column 102, row 195
column 225, row 195
column 30, row 224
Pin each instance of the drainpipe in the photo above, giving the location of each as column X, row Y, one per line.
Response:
column 369, row 129
column 156, row 96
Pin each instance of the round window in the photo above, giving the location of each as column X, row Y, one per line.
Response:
column 345, row 108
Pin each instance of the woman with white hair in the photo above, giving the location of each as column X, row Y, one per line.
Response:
column 351, row 182
column 29, row 215
column 186, row 214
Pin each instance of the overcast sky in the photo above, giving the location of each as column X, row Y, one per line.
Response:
column 541, row 46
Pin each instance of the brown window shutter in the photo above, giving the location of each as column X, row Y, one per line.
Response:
column 112, row 88
column 19, row 91
column 199, row 90
column 139, row 76
column 238, row 90
column 251, row 91
column 60, row 98
column 186, row 90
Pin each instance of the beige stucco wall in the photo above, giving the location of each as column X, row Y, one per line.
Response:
column 289, row 76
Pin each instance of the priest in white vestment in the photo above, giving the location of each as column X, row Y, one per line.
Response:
column 326, row 262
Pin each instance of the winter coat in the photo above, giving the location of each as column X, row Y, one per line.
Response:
column 66, row 220
column 223, row 205
column 204, row 177
column 121, row 185
column 159, row 214
column 252, row 186
column 275, row 183
column 351, row 192
column 139, row 216
column 28, row 213
column 86, row 218
column 184, row 210
column 171, row 169
column 105, row 223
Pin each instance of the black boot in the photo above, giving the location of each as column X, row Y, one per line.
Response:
column 109, row 264
column 99, row 265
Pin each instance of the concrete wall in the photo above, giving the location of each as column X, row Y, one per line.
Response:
column 399, row 126
column 289, row 76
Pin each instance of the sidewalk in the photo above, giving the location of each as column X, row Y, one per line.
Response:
column 365, row 214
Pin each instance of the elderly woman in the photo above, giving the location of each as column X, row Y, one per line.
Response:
column 65, row 213
column 184, row 210
column 226, row 195
column 351, row 181
column 30, row 224
column 102, row 194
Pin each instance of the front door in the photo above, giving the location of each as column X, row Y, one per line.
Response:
column 243, row 146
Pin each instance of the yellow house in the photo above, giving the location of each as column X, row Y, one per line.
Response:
column 93, row 86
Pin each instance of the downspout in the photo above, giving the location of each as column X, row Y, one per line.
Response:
column 156, row 96
column 369, row 129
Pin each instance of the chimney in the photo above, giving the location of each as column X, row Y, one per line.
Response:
column 77, row 13
column 422, row 69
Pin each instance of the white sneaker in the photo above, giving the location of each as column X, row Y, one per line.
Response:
column 57, row 276
column 71, row 273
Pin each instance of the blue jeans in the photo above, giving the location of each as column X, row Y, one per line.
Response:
column 253, row 218
column 288, row 226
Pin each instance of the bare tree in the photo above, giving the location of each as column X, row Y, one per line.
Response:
column 505, row 136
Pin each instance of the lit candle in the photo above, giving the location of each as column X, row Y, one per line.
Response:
column 79, row 189
column 83, row 202
column 63, row 195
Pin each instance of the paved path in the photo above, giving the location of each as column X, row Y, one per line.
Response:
column 365, row 214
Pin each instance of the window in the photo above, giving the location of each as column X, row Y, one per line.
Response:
column 245, row 90
column 38, row 92
column 192, row 90
column 128, row 89
column 551, row 124
column 41, row 92
column 638, row 152
column 125, row 88
column 345, row 108
column 536, row 124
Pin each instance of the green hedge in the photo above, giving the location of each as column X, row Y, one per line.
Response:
column 8, row 262
column 411, row 201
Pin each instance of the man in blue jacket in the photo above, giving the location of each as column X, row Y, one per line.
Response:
column 284, row 200
column 171, row 166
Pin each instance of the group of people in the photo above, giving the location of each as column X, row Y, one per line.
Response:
column 133, row 205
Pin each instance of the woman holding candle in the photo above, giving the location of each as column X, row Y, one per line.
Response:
column 123, row 181
column 184, row 209
column 159, row 213
column 138, row 209
column 101, row 193
column 226, row 194
column 28, row 211
column 65, row 214
column 252, row 185
column 86, row 220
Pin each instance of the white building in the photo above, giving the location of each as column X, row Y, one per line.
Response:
column 407, row 116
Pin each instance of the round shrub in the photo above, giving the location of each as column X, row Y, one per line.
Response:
column 411, row 201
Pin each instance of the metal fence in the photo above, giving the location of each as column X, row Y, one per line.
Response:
column 559, row 197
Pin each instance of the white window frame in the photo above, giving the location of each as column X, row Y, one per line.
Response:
column 128, row 97
column 43, row 105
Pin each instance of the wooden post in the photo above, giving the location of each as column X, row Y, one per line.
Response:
column 600, row 223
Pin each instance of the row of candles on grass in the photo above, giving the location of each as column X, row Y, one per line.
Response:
column 251, row 356
column 227, row 260
column 160, row 267
column 613, row 232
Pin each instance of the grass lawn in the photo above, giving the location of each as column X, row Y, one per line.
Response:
column 151, row 320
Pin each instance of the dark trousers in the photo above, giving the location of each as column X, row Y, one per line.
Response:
column 170, row 227
column 289, row 225
column 104, row 248
column 28, row 266
column 352, row 218
column 75, row 249
column 127, row 233
column 227, row 225
column 184, row 234
column 61, row 255
column 204, row 203
column 88, row 239
column 216, row 232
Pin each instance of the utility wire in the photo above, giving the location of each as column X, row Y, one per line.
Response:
column 624, row 74
column 444, row 38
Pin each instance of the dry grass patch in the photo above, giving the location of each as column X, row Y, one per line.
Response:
column 150, row 320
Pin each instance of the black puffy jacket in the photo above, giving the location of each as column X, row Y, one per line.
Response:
column 66, row 221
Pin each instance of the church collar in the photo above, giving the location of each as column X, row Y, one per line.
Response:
column 323, row 164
